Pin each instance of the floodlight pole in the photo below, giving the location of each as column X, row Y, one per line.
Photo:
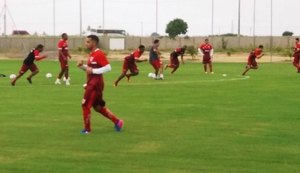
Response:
column 254, row 23
column 4, row 18
column 212, row 19
column 271, row 31
column 156, row 20
column 239, row 19
column 103, row 16
column 54, row 18
column 80, row 17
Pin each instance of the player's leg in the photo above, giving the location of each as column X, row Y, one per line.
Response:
column 22, row 71
column 134, row 71
column 123, row 74
column 67, row 74
column 87, row 103
column 205, row 67
column 210, row 67
column 175, row 65
column 160, row 67
column 99, row 106
column 34, row 71
column 61, row 73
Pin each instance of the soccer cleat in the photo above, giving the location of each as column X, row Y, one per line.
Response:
column 86, row 132
column 212, row 72
column 68, row 82
column 57, row 82
column 13, row 83
column 119, row 125
column 115, row 84
column 206, row 72
column 29, row 80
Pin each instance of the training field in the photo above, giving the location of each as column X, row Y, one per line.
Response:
column 191, row 122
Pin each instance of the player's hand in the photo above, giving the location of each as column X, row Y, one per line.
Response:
column 70, row 57
column 89, row 70
column 79, row 63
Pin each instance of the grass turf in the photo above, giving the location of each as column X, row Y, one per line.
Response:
column 191, row 122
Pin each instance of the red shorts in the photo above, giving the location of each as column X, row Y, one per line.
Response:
column 296, row 60
column 252, row 62
column 174, row 62
column 206, row 59
column 93, row 94
column 64, row 63
column 25, row 68
column 127, row 65
column 156, row 64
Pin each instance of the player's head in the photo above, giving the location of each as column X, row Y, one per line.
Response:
column 39, row 47
column 297, row 40
column 142, row 48
column 206, row 40
column 91, row 42
column 156, row 43
column 64, row 36
column 261, row 46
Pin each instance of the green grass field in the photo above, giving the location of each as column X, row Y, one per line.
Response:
column 191, row 122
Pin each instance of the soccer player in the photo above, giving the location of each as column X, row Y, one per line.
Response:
column 297, row 55
column 174, row 62
column 28, row 64
column 63, row 56
column 207, row 51
column 130, row 64
column 254, row 54
column 96, row 66
column 154, row 58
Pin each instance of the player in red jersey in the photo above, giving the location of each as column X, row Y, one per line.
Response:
column 154, row 59
column 255, row 54
column 28, row 64
column 63, row 56
column 130, row 64
column 207, row 51
column 174, row 62
column 297, row 55
column 96, row 66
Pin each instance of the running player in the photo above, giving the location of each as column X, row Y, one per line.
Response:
column 174, row 62
column 96, row 66
column 206, row 50
column 130, row 64
column 28, row 64
column 254, row 54
column 154, row 58
column 297, row 55
column 63, row 56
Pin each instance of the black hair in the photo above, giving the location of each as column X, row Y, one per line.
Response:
column 64, row 34
column 94, row 38
column 261, row 46
column 156, row 41
column 141, row 47
column 39, row 46
column 206, row 39
column 297, row 39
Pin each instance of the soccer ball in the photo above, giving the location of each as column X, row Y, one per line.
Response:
column 224, row 75
column 48, row 75
column 151, row 75
column 12, row 76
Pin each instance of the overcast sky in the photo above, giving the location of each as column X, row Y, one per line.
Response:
column 131, row 15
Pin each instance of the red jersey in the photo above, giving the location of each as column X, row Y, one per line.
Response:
column 297, row 49
column 178, row 52
column 255, row 53
column 97, row 59
column 206, row 49
column 31, row 57
column 63, row 46
column 134, row 56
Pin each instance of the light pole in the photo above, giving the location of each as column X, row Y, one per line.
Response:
column 80, row 17
column 239, row 19
column 103, row 17
column 53, row 17
column 4, row 18
column 254, row 23
column 156, row 21
column 271, row 32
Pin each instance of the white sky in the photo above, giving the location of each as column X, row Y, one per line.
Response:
column 37, row 15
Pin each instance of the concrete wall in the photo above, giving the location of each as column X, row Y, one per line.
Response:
column 26, row 43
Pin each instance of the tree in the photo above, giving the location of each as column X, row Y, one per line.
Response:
column 287, row 33
column 176, row 27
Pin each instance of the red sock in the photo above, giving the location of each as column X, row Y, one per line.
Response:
column 86, row 118
column 108, row 114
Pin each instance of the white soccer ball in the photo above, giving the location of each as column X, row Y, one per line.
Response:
column 12, row 76
column 224, row 75
column 151, row 75
column 48, row 75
